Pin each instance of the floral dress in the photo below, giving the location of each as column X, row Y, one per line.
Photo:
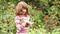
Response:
column 21, row 29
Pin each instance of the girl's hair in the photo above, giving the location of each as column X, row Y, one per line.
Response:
column 19, row 8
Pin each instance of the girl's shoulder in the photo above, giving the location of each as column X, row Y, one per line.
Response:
column 17, row 17
column 21, row 17
column 28, row 17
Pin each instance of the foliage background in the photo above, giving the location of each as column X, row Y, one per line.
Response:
column 44, row 13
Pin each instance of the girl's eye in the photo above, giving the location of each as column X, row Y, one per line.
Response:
column 21, row 10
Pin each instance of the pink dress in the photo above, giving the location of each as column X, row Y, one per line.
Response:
column 21, row 29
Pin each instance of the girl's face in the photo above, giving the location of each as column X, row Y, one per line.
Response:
column 23, row 11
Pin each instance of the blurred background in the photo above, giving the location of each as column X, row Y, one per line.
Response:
column 44, row 13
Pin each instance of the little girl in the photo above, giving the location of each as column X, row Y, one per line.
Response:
column 22, row 18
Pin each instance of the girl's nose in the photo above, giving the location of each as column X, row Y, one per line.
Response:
column 24, row 10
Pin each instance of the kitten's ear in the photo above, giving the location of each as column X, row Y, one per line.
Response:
column 30, row 19
column 20, row 19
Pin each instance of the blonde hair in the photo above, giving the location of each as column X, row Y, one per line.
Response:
column 19, row 7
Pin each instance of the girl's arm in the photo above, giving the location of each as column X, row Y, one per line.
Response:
column 17, row 21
